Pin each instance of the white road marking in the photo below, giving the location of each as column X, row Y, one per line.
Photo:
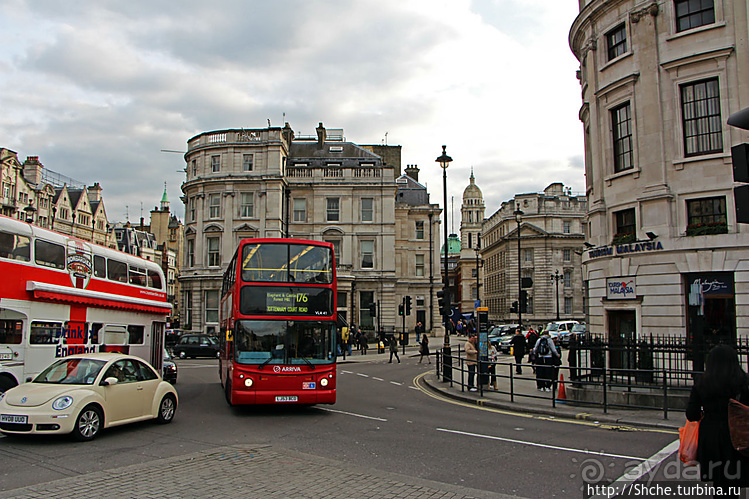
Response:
column 643, row 468
column 351, row 414
column 545, row 446
column 362, row 375
column 396, row 383
column 378, row 379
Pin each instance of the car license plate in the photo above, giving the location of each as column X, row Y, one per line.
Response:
column 291, row 398
column 12, row 418
column 6, row 356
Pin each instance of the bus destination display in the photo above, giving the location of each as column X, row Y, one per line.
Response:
column 285, row 300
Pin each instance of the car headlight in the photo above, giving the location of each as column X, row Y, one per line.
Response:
column 62, row 402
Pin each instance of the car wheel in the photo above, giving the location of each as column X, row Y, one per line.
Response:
column 6, row 384
column 88, row 424
column 167, row 409
column 182, row 354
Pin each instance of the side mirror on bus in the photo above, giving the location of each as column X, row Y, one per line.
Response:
column 110, row 381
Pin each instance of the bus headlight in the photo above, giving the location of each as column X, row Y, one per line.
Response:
column 324, row 382
column 248, row 382
column 62, row 403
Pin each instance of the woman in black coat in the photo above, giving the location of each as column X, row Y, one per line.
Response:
column 723, row 379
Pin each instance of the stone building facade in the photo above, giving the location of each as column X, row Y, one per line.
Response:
column 268, row 183
column 551, row 242
column 658, row 81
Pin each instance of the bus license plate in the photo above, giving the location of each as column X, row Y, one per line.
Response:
column 291, row 398
column 12, row 418
column 6, row 356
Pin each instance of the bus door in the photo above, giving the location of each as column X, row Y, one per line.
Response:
column 12, row 350
column 157, row 344
column 46, row 343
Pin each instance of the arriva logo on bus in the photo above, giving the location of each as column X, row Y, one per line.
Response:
column 287, row 369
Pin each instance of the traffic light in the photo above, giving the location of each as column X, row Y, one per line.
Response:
column 408, row 305
column 373, row 310
column 514, row 308
column 740, row 160
column 443, row 296
column 400, row 309
column 523, row 301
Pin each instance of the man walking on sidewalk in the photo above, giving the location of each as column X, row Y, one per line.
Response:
column 518, row 349
column 394, row 350
column 472, row 356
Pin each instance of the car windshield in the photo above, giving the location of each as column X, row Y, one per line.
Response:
column 283, row 342
column 578, row 328
column 71, row 372
column 552, row 327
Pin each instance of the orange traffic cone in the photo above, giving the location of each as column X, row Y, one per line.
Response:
column 562, row 394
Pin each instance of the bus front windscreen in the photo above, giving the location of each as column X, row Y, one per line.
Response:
column 279, row 262
column 283, row 342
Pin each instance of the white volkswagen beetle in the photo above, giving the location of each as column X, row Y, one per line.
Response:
column 82, row 394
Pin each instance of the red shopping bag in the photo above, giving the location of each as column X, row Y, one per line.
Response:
column 688, row 436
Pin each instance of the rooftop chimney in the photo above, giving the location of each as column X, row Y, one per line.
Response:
column 321, row 134
column 413, row 172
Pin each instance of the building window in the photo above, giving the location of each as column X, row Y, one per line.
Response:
column 616, row 41
column 194, row 168
column 566, row 227
column 247, row 162
column 568, row 305
column 621, row 123
column 190, row 256
column 420, row 229
column 706, row 216
column 191, row 209
column 367, row 254
column 566, row 255
column 336, row 252
column 528, row 255
column 567, row 278
column 333, row 209
column 215, row 164
column 211, row 305
column 367, row 209
column 700, row 107
column 420, row 266
column 187, row 323
column 693, row 14
column 214, row 251
column 247, row 205
column 625, row 226
column 214, row 205
column 300, row 210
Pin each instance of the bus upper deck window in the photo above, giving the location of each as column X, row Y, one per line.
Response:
column 137, row 276
column 154, row 279
column 117, row 271
column 100, row 267
column 49, row 254
column 14, row 247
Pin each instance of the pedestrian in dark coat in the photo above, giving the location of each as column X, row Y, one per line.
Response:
column 723, row 379
column 394, row 350
column 532, row 340
column 424, row 348
column 518, row 349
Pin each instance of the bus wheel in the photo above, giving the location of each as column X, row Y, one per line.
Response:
column 167, row 408
column 88, row 424
column 227, row 392
column 6, row 383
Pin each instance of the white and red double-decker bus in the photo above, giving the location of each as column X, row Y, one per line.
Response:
column 278, row 323
column 62, row 296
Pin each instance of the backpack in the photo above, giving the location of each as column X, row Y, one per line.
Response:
column 543, row 347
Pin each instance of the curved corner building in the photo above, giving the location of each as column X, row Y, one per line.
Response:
column 658, row 82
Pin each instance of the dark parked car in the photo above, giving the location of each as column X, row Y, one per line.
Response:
column 197, row 345
column 169, row 369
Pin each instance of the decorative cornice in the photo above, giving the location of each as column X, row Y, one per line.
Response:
column 651, row 10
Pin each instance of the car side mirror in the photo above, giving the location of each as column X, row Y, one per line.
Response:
column 28, row 379
column 110, row 381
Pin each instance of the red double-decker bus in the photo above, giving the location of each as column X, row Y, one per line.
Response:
column 278, row 323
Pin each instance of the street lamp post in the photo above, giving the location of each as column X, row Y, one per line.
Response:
column 518, row 213
column 556, row 277
column 444, row 160
column 478, row 261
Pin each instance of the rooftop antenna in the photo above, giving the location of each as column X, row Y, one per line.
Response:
column 386, row 138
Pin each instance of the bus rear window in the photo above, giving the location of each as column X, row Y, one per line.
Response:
column 14, row 247
column 117, row 271
column 49, row 254
column 11, row 332
column 154, row 279
column 45, row 333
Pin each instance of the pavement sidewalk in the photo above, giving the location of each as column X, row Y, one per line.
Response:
column 525, row 397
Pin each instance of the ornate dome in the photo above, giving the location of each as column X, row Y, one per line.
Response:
column 472, row 191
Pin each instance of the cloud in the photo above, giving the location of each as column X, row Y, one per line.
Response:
column 97, row 89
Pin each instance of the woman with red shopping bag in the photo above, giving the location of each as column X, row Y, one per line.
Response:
column 724, row 379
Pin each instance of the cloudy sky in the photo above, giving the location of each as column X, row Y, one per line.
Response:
column 97, row 89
